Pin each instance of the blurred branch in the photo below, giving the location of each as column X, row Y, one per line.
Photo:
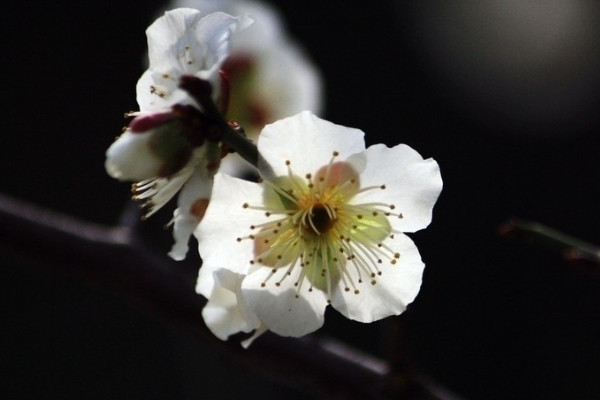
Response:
column 117, row 260
column 574, row 250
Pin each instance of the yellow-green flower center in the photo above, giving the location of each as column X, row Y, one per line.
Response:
column 313, row 224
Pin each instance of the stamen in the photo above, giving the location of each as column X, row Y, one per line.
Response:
column 268, row 210
column 300, row 280
column 325, row 180
column 143, row 185
column 159, row 90
column 338, row 188
column 330, row 212
column 158, row 191
column 326, row 268
column 281, row 192
column 370, row 253
column 264, row 283
column 357, row 260
column 278, row 223
column 288, row 271
column 335, row 244
column 312, row 225
column 367, row 188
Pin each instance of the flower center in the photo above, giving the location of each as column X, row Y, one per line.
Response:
column 320, row 220
column 313, row 224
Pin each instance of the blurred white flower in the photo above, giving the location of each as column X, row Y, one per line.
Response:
column 270, row 76
column 167, row 147
column 163, row 153
column 324, row 226
column 185, row 42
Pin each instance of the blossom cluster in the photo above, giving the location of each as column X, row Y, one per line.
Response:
column 269, row 74
column 325, row 223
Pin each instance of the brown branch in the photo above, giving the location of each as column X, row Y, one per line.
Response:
column 115, row 259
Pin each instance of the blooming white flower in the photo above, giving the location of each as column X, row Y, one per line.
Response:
column 270, row 76
column 325, row 226
column 164, row 148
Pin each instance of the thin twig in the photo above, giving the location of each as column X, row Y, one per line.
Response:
column 572, row 248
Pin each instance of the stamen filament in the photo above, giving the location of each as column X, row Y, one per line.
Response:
column 281, row 192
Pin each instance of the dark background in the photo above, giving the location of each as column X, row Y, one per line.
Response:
column 505, row 97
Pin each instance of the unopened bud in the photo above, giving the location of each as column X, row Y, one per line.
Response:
column 129, row 158
column 154, row 145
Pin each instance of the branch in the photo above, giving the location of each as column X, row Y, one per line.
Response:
column 573, row 249
column 117, row 260
column 201, row 91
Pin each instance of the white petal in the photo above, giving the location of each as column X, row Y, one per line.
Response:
column 279, row 308
column 222, row 313
column 197, row 188
column 207, row 6
column 261, row 35
column 183, row 227
column 225, row 221
column 265, row 34
column 185, row 40
column 289, row 83
column 307, row 141
column 181, row 42
column 164, row 33
column 411, row 184
column 159, row 91
column 233, row 282
column 214, row 33
column 397, row 286
column 221, row 317
column 129, row 158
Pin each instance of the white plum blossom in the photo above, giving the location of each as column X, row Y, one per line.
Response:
column 325, row 226
column 270, row 76
column 182, row 42
column 164, row 149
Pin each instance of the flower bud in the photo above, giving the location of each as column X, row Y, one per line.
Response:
column 153, row 145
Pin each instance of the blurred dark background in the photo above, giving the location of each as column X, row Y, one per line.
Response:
column 504, row 95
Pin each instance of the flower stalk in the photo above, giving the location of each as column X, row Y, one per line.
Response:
column 201, row 90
